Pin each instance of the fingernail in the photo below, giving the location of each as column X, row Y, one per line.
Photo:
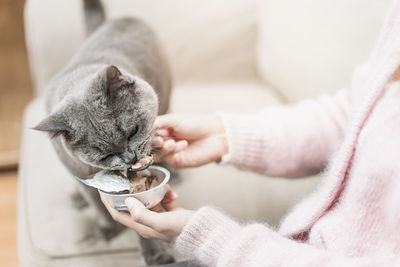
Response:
column 169, row 143
column 175, row 195
column 157, row 141
column 181, row 145
column 161, row 132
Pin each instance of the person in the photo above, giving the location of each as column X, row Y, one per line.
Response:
column 352, row 219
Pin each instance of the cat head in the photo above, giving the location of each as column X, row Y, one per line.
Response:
column 109, row 123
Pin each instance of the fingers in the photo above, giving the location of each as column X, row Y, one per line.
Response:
column 181, row 145
column 168, row 147
column 150, row 224
column 142, row 215
column 168, row 224
column 165, row 121
column 174, row 146
column 158, row 208
column 169, row 195
column 160, row 136
column 126, row 219
column 178, row 159
column 158, row 141
column 165, row 140
column 162, row 133
column 168, row 202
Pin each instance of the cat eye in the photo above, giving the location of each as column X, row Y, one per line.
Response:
column 132, row 134
column 107, row 157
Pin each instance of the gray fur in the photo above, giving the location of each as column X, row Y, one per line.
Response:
column 110, row 89
column 102, row 106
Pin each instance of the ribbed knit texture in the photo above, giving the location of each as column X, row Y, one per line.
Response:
column 259, row 141
column 207, row 237
column 353, row 219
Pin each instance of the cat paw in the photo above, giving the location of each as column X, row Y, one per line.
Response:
column 78, row 201
column 159, row 258
column 108, row 232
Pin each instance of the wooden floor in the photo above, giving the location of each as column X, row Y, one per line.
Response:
column 15, row 86
column 8, row 205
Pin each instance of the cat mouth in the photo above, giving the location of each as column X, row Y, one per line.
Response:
column 140, row 165
column 143, row 163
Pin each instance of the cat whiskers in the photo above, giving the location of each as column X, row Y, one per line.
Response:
column 145, row 144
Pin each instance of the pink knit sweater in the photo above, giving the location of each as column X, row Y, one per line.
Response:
column 353, row 219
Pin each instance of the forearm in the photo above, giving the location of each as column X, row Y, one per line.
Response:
column 289, row 141
column 216, row 240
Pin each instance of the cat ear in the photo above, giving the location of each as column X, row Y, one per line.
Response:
column 112, row 75
column 113, row 80
column 54, row 124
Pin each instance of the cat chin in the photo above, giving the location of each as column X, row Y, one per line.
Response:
column 71, row 154
column 100, row 167
column 91, row 164
column 105, row 168
column 114, row 168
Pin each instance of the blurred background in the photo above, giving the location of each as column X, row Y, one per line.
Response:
column 15, row 93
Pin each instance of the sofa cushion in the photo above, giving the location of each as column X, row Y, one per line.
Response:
column 307, row 47
column 52, row 233
column 53, row 33
column 208, row 98
column 206, row 41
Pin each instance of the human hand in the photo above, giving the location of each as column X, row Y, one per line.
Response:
column 163, row 222
column 189, row 140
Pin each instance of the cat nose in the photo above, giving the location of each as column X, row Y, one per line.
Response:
column 128, row 158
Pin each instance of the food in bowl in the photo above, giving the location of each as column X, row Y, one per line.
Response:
column 150, row 198
column 140, row 181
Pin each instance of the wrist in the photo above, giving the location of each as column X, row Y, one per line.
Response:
column 223, row 146
column 217, row 126
column 187, row 215
column 220, row 136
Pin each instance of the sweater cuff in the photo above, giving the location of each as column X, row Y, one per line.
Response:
column 244, row 137
column 206, row 234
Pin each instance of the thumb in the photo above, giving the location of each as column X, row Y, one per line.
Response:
column 134, row 205
column 142, row 215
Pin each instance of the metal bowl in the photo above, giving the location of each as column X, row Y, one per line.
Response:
column 149, row 198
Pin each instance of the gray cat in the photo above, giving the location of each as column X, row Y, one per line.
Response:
column 101, row 107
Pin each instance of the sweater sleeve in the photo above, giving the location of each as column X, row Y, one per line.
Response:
column 288, row 141
column 216, row 240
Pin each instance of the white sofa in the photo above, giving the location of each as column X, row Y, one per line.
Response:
column 237, row 55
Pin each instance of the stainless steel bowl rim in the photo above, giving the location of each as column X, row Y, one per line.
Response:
column 165, row 181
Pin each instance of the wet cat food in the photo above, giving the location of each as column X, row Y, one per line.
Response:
column 143, row 163
column 140, row 182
